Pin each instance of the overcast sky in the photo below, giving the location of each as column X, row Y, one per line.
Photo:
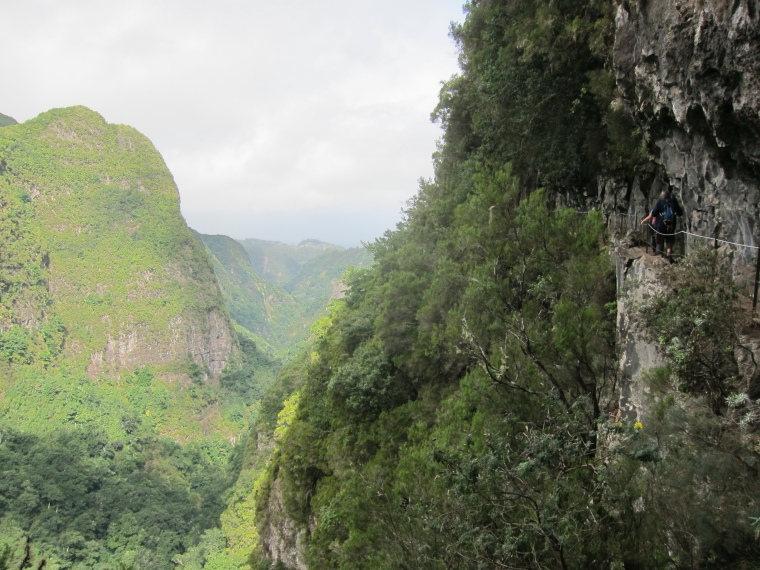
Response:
column 279, row 120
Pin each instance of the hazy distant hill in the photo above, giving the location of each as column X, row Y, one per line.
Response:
column 265, row 309
column 5, row 120
column 277, row 290
column 319, row 279
column 279, row 262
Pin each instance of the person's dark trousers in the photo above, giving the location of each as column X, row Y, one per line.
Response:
column 665, row 242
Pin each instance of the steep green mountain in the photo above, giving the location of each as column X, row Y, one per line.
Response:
column 121, row 267
column 101, row 271
column 470, row 402
column 115, row 348
column 116, row 344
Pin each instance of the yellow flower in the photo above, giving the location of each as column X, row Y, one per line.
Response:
column 638, row 425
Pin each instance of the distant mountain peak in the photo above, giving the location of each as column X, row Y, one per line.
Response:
column 6, row 121
column 313, row 242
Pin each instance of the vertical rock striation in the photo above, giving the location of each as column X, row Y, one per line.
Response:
column 638, row 281
column 281, row 538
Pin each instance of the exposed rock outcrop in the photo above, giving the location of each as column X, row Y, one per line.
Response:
column 638, row 280
column 208, row 341
column 281, row 539
column 689, row 71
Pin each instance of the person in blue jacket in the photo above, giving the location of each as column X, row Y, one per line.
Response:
column 664, row 213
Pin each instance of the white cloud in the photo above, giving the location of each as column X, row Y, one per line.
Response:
column 257, row 107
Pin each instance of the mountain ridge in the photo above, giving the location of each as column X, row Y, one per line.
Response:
column 5, row 120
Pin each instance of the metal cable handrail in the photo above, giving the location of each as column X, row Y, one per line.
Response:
column 715, row 240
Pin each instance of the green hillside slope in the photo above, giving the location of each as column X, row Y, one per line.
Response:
column 319, row 279
column 260, row 306
column 123, row 383
column 276, row 290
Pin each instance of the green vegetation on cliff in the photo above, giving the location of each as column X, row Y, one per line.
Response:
column 459, row 408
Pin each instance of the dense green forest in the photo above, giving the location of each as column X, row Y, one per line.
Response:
column 459, row 408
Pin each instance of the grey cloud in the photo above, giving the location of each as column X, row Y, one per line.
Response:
column 260, row 108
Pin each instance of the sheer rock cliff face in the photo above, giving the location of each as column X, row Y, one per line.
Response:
column 689, row 70
column 689, row 73
column 638, row 281
column 208, row 341
column 281, row 539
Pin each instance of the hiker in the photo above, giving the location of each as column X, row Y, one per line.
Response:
column 664, row 221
